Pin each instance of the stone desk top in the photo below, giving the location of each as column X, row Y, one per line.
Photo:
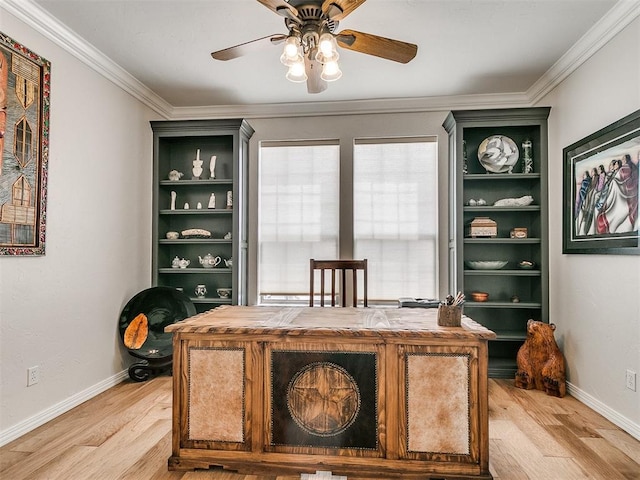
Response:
column 371, row 323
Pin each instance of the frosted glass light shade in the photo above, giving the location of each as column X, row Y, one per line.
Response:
column 291, row 52
column 327, row 49
column 297, row 73
column 331, row 72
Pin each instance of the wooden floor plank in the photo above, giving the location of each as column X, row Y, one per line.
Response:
column 615, row 457
column 9, row 458
column 518, row 414
column 622, row 441
column 587, row 458
column 153, row 463
column 113, row 458
column 578, row 426
column 127, row 432
column 529, row 458
column 502, row 465
column 64, row 466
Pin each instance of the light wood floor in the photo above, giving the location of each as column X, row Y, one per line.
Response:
column 125, row 433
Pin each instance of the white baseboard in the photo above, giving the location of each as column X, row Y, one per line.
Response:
column 52, row 412
column 621, row 421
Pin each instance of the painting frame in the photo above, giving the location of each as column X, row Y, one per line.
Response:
column 25, row 92
column 600, row 194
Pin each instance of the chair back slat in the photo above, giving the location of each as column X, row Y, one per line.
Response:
column 341, row 266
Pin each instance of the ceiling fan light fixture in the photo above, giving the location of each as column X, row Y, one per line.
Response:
column 311, row 45
column 331, row 71
column 296, row 73
column 291, row 52
column 327, row 44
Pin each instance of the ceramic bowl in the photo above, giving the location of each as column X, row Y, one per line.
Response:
column 526, row 264
column 486, row 265
column 479, row 296
column 224, row 292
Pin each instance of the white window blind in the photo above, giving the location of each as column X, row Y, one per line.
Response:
column 298, row 216
column 395, row 216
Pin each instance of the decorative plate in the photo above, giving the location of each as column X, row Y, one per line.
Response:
column 486, row 265
column 498, row 154
column 156, row 307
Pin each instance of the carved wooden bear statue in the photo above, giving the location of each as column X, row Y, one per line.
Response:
column 540, row 361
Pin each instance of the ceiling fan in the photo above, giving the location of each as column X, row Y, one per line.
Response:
column 310, row 51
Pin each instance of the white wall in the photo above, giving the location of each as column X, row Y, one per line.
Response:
column 595, row 299
column 60, row 311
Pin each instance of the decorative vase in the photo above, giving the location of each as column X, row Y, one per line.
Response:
column 465, row 165
column 200, row 291
column 527, row 161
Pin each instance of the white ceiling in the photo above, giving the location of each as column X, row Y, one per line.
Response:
column 465, row 47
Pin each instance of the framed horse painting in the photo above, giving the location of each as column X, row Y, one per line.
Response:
column 601, row 190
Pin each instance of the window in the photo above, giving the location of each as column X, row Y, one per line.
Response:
column 391, row 208
column 298, row 216
column 395, row 216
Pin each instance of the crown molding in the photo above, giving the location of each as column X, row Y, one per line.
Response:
column 612, row 23
column 43, row 22
column 354, row 107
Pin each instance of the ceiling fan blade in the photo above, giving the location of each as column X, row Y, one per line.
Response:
column 379, row 46
column 247, row 47
column 282, row 8
column 338, row 9
column 313, row 69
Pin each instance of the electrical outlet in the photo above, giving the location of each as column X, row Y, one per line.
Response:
column 33, row 375
column 631, row 380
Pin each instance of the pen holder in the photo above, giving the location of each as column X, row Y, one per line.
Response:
column 449, row 315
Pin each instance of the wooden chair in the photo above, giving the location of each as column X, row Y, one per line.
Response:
column 341, row 266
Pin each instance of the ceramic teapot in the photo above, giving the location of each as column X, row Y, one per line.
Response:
column 209, row 261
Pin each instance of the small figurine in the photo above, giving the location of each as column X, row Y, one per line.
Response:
column 199, row 206
column 540, row 361
column 229, row 199
column 173, row 200
column 175, row 175
column 197, row 166
column 212, row 167
column 186, row 206
column 212, row 201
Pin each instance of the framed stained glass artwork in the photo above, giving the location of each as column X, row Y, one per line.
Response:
column 24, row 142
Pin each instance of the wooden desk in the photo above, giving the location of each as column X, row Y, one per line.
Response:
column 360, row 392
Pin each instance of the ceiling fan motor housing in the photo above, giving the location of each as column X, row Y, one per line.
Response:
column 313, row 23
